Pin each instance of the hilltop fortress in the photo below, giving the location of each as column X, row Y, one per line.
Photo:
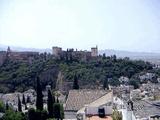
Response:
column 58, row 53
column 25, row 56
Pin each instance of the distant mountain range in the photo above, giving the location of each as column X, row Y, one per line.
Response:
column 14, row 48
column 151, row 57
column 133, row 55
column 146, row 56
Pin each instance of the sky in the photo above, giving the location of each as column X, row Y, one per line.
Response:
column 132, row 25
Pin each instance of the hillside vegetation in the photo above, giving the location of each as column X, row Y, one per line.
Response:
column 20, row 76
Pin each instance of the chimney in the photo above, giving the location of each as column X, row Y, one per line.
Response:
column 101, row 112
column 130, row 104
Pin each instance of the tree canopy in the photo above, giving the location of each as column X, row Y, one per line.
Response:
column 20, row 76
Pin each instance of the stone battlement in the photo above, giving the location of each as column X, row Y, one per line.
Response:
column 83, row 55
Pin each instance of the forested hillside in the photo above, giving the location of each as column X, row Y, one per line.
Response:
column 20, row 76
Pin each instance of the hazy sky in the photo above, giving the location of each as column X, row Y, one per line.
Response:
column 132, row 25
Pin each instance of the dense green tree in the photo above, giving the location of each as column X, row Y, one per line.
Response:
column 39, row 99
column 57, row 114
column 19, row 75
column 50, row 119
column 114, row 58
column 12, row 115
column 134, row 83
column 114, row 81
column 37, row 114
column 44, row 115
column 61, row 111
column 104, row 56
column 2, row 107
column 116, row 115
column 31, row 114
column 58, row 111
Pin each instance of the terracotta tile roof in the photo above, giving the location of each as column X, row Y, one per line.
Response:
column 143, row 109
column 78, row 98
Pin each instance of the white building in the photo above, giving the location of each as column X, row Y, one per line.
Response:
column 142, row 110
column 81, row 103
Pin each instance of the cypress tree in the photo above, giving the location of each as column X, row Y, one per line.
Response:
column 104, row 56
column 28, row 99
column 19, row 104
column 75, row 83
column 7, row 106
column 105, row 84
column 57, row 111
column 57, row 100
column 50, row 103
column 26, row 108
column 39, row 100
column 54, row 101
column 32, row 114
column 23, row 100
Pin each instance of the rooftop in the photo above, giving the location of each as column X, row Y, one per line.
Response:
column 143, row 109
column 78, row 98
column 98, row 118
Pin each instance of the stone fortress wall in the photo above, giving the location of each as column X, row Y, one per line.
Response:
column 14, row 55
column 57, row 52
